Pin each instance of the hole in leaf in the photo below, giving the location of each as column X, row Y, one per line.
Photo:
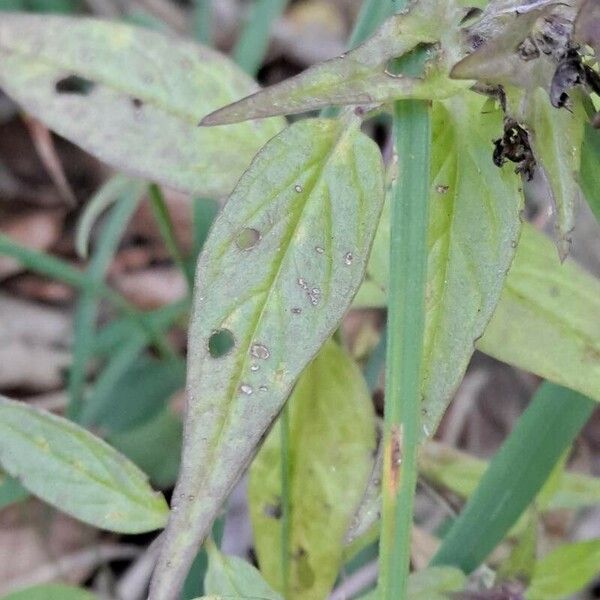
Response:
column 73, row 84
column 220, row 343
column 247, row 239
column 137, row 103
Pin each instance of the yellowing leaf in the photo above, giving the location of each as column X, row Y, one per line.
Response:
column 75, row 471
column 564, row 571
column 279, row 269
column 331, row 441
column 132, row 97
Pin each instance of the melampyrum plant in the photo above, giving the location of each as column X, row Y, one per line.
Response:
column 484, row 100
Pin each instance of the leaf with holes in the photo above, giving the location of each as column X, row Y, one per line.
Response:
column 279, row 269
column 547, row 319
column 132, row 97
column 90, row 480
column 331, row 442
column 473, row 230
column 361, row 76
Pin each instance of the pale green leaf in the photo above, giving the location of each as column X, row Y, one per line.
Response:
column 556, row 137
column 460, row 473
column 232, row 577
column 547, row 319
column 279, row 269
column 433, row 583
column 331, row 441
column 132, row 97
column 69, row 468
column 473, row 231
column 51, row 591
column 564, row 571
column 361, row 75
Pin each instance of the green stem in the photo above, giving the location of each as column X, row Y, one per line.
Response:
column 406, row 322
column 285, row 499
column 167, row 232
column 252, row 45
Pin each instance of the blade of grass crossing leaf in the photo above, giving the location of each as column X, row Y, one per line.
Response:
column 253, row 42
column 86, row 311
column 515, row 475
column 167, row 232
column 406, row 325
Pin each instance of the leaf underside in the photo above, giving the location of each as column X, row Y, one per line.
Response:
column 281, row 266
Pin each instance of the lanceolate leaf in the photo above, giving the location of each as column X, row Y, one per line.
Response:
column 280, row 267
column 331, row 441
column 132, row 97
column 231, row 577
column 547, row 319
column 473, row 232
column 361, row 75
column 76, row 472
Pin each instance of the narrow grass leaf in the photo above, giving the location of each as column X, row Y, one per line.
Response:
column 281, row 266
column 132, row 97
column 589, row 175
column 547, row 319
column 90, row 480
column 515, row 476
column 331, row 441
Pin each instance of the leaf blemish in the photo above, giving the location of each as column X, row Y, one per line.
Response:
column 220, row 343
column 73, row 84
column 248, row 238
column 395, row 458
column 260, row 351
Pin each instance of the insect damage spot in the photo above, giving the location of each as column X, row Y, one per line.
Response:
column 247, row 238
column 73, row 84
column 220, row 343
column 137, row 103
column 514, row 146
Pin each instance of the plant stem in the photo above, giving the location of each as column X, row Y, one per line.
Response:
column 167, row 232
column 254, row 40
column 406, row 322
column 284, row 424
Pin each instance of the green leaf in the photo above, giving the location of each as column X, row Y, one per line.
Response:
column 547, row 319
column 361, row 76
column 232, row 577
column 473, row 231
column 331, row 441
column 589, row 175
column 11, row 491
column 433, row 583
column 281, row 266
column 132, row 97
column 138, row 395
column 556, row 137
column 461, row 473
column 75, row 471
column 564, row 571
column 542, row 434
column 52, row 591
column 155, row 447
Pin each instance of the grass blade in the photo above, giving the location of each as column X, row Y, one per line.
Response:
column 252, row 44
column 515, row 475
